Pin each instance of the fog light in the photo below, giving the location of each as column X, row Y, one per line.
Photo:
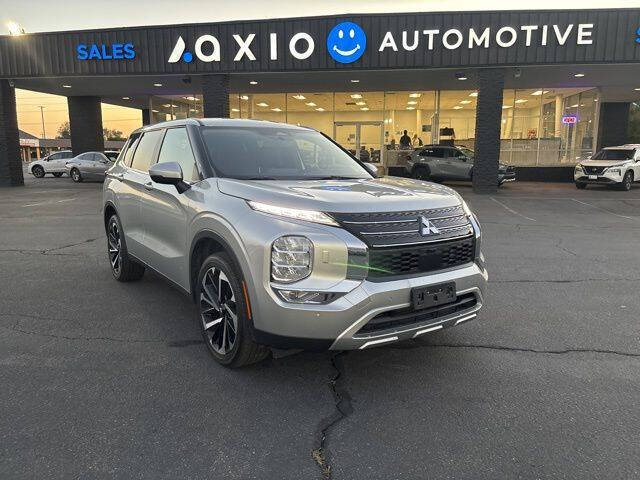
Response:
column 300, row 296
column 291, row 259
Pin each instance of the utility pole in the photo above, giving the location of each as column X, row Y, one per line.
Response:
column 44, row 133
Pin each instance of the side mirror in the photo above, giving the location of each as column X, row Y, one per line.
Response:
column 371, row 168
column 169, row 173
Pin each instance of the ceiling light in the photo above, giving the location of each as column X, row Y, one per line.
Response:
column 66, row 86
column 235, row 110
column 192, row 99
column 465, row 102
column 174, row 106
column 154, row 111
column 579, row 75
column 461, row 77
column 521, row 100
column 276, row 109
column 320, row 109
column 157, row 84
column 361, row 103
column 354, row 80
column 166, row 105
column 299, row 97
column 262, row 104
column 253, row 82
column 244, row 97
column 457, row 107
column 356, row 95
column 193, row 109
column 540, row 92
column 310, row 104
column 473, row 94
column 15, row 29
column 415, row 95
column 412, row 102
column 574, row 106
column 637, row 89
column 126, row 98
column 364, row 109
column 411, row 108
column 506, row 106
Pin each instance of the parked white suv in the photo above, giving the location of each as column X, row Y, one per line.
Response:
column 53, row 163
column 619, row 166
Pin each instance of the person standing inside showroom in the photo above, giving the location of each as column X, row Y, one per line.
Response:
column 405, row 141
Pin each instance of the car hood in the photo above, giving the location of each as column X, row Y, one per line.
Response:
column 604, row 163
column 385, row 194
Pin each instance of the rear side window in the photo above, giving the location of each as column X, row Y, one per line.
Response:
column 143, row 156
column 131, row 148
column 176, row 148
column 432, row 152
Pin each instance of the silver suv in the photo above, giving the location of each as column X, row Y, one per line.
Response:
column 284, row 239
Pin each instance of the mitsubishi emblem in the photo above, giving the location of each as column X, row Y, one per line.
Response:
column 427, row 227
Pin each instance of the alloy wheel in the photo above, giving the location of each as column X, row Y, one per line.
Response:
column 115, row 246
column 75, row 174
column 218, row 311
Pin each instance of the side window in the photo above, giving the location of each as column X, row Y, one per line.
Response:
column 143, row 156
column 131, row 147
column 439, row 152
column 85, row 156
column 55, row 156
column 456, row 153
column 176, row 148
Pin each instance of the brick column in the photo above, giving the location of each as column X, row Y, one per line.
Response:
column 488, row 123
column 85, row 121
column 215, row 96
column 146, row 116
column 10, row 160
column 613, row 124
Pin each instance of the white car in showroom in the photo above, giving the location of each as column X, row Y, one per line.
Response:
column 54, row 163
column 615, row 166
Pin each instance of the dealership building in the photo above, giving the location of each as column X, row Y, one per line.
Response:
column 539, row 90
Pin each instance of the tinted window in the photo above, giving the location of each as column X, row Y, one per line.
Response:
column 277, row 153
column 143, row 156
column 432, row 152
column 66, row 155
column 113, row 156
column 614, row 154
column 131, row 148
column 176, row 148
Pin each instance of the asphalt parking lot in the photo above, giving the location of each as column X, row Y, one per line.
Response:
column 107, row 380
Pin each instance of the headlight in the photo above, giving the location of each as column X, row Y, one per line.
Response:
column 466, row 208
column 615, row 171
column 306, row 215
column 578, row 168
column 291, row 259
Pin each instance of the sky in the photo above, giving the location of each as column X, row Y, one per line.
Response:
column 47, row 15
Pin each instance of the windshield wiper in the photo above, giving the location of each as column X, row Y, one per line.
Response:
column 334, row 177
column 256, row 178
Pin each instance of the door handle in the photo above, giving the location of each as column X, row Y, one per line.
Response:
column 148, row 186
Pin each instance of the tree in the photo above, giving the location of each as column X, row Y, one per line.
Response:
column 633, row 133
column 112, row 134
column 64, row 130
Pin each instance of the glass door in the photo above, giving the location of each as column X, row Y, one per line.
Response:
column 363, row 139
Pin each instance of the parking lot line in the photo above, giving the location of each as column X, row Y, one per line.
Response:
column 605, row 210
column 512, row 210
column 35, row 204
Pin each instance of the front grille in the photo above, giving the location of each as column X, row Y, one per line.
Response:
column 387, row 229
column 408, row 316
column 416, row 259
column 594, row 170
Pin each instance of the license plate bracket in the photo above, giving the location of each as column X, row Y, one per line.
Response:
column 593, row 177
column 433, row 295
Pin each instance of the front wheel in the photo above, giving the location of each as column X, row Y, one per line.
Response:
column 75, row 175
column 123, row 268
column 224, row 314
column 627, row 181
column 581, row 185
column 421, row 173
column 38, row 171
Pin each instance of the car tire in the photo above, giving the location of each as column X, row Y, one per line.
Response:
column 421, row 173
column 581, row 185
column 75, row 175
column 37, row 171
column 223, row 314
column 57, row 174
column 123, row 267
column 627, row 180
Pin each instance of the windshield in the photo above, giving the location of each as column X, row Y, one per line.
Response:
column 112, row 156
column 614, row 154
column 267, row 153
column 467, row 152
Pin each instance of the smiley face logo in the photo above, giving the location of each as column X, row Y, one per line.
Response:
column 346, row 42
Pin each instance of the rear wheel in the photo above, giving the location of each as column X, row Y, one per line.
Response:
column 421, row 173
column 124, row 269
column 627, row 181
column 224, row 314
column 38, row 171
column 581, row 185
column 57, row 174
column 75, row 175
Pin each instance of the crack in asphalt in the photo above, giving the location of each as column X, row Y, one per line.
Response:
column 565, row 351
column 343, row 408
column 48, row 251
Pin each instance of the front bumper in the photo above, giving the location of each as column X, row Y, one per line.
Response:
column 509, row 176
column 604, row 178
column 338, row 325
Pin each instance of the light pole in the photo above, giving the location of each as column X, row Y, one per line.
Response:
column 44, row 133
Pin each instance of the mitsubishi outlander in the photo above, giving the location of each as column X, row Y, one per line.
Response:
column 283, row 239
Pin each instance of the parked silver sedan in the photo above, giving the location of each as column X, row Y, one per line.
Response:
column 90, row 165
column 443, row 162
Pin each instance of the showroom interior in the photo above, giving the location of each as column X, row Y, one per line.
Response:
column 540, row 107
